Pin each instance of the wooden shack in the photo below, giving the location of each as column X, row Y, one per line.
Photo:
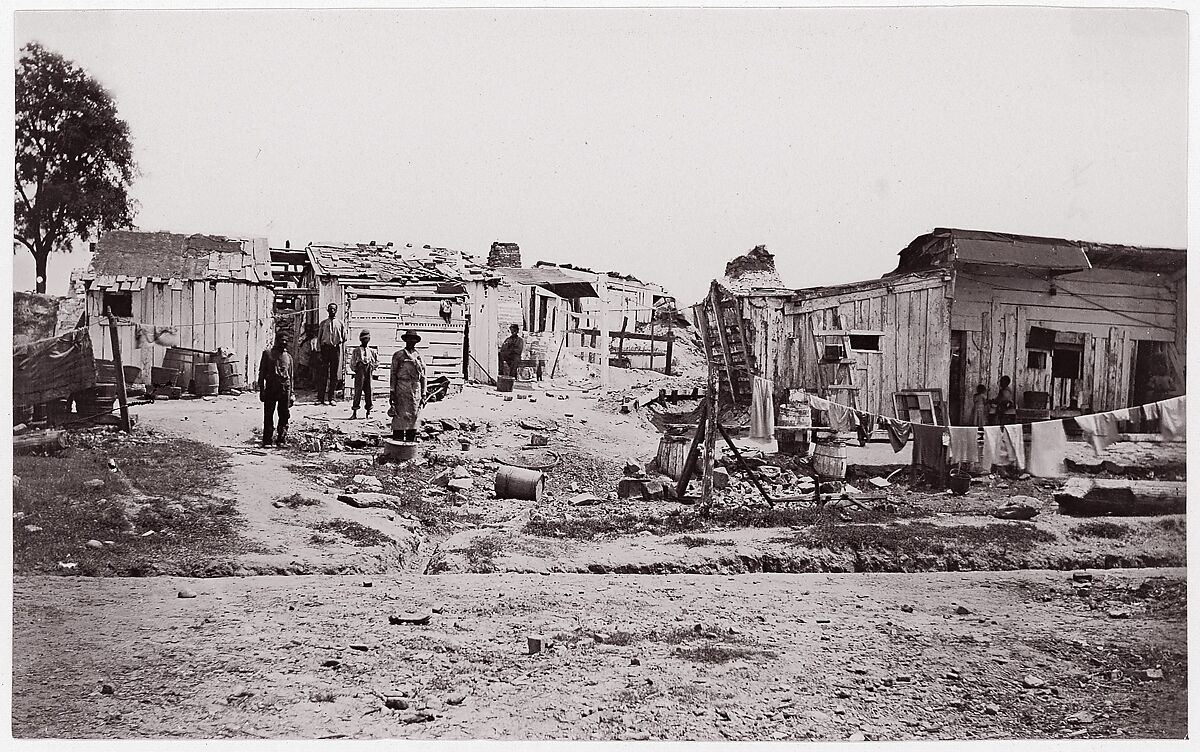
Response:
column 215, row 291
column 442, row 294
column 1079, row 327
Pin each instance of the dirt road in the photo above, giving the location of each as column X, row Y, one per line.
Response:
column 926, row 656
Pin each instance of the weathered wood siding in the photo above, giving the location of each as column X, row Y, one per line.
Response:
column 208, row 315
column 1110, row 309
column 914, row 316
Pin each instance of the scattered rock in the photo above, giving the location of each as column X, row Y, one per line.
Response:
column 419, row 716
column 368, row 583
column 635, row 662
column 460, row 484
column 458, row 698
column 93, row 483
column 1119, row 613
column 1081, row 576
column 634, row 736
column 857, row 737
column 369, row 482
column 585, row 500
column 395, row 703
column 535, row 643
column 186, row 594
column 839, row 709
column 906, row 608
column 332, row 663
column 991, row 709
column 1033, row 682
column 94, row 544
column 411, row 617
column 1080, row 718
column 962, row 611
column 32, row 529
column 106, row 689
column 720, row 478
column 1151, row 674
column 359, row 646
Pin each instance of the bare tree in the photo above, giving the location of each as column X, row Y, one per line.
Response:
column 74, row 159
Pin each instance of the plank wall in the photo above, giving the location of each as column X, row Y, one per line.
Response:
column 1111, row 309
column 914, row 349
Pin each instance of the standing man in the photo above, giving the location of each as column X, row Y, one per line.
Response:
column 363, row 362
column 276, row 389
column 331, row 338
column 408, row 389
column 510, row 352
column 1006, row 406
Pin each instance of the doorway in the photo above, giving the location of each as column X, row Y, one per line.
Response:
column 959, row 406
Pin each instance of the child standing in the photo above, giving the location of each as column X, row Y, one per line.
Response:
column 979, row 407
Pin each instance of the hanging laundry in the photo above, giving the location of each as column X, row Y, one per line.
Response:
column 1048, row 449
column 1101, row 429
column 898, row 432
column 992, row 438
column 1150, row 411
column 762, row 409
column 964, row 443
column 866, row 426
column 928, row 449
column 165, row 336
column 1124, row 414
column 1012, row 445
column 841, row 418
column 1172, row 419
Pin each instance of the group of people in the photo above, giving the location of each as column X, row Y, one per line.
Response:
column 1000, row 411
column 322, row 355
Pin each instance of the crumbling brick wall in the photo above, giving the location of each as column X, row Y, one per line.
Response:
column 505, row 256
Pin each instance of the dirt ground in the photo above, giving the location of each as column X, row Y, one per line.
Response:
column 657, row 624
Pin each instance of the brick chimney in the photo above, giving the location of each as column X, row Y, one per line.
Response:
column 505, row 256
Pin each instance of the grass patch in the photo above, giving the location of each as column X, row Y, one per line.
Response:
column 588, row 528
column 403, row 482
column 695, row 541
column 1173, row 524
column 162, row 486
column 919, row 538
column 482, row 551
column 325, row 696
column 635, row 695
column 719, row 653
column 360, row 536
column 1101, row 529
column 295, row 501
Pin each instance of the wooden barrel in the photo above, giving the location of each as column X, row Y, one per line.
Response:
column 182, row 362
column 519, row 483
column 106, row 371
column 206, row 378
column 829, row 460
column 230, row 377
column 163, row 376
column 672, row 455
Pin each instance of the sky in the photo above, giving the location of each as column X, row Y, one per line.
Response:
column 658, row 143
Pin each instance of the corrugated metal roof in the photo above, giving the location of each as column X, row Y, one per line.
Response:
column 128, row 259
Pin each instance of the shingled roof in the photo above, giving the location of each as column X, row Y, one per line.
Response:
column 131, row 259
column 392, row 264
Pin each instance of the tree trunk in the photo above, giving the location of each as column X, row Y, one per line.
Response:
column 40, row 260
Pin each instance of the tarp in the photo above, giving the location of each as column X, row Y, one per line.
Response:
column 53, row 369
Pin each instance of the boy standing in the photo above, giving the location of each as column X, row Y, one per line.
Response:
column 363, row 362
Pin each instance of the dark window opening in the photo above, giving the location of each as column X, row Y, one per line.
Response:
column 865, row 342
column 1068, row 363
column 119, row 304
column 1036, row 359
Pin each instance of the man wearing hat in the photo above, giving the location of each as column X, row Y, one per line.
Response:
column 363, row 362
column 331, row 337
column 408, row 389
column 276, row 389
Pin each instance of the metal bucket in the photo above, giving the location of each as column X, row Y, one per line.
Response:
column 504, row 383
column 829, row 460
column 960, row 481
column 207, row 380
column 519, row 483
column 399, row 451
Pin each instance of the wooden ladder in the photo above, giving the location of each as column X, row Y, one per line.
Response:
column 840, row 384
column 724, row 336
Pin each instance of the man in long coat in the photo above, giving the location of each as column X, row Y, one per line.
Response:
column 276, row 389
column 408, row 389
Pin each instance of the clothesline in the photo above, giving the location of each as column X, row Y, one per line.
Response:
column 823, row 404
column 175, row 326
